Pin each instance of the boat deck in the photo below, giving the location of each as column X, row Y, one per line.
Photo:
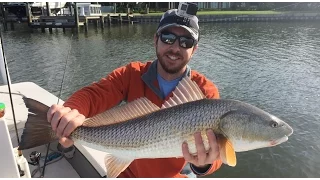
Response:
column 84, row 157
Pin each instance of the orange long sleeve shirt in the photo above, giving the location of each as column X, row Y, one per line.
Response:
column 128, row 83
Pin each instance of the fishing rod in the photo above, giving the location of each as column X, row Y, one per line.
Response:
column 9, row 88
column 11, row 99
column 59, row 96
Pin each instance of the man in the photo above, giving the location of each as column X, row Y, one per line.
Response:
column 175, row 42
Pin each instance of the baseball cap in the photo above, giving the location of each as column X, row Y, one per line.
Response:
column 171, row 18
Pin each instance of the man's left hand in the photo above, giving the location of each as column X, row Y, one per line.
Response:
column 202, row 158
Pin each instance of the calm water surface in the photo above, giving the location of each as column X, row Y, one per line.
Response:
column 274, row 66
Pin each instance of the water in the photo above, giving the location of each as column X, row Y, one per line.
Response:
column 274, row 66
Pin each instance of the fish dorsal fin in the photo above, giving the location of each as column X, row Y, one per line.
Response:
column 134, row 109
column 186, row 91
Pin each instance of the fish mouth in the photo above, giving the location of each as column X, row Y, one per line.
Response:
column 279, row 141
column 283, row 139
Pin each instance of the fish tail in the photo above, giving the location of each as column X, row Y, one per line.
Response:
column 37, row 130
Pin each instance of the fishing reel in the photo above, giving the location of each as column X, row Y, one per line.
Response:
column 67, row 152
column 35, row 158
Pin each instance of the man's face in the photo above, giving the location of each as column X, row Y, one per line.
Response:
column 172, row 57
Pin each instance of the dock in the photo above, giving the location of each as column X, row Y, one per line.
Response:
column 80, row 17
column 64, row 22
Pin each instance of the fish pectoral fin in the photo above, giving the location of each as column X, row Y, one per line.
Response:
column 115, row 165
column 186, row 91
column 227, row 153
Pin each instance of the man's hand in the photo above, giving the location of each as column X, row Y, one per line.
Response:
column 202, row 158
column 63, row 121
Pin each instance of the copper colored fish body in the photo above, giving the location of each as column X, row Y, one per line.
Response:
column 140, row 129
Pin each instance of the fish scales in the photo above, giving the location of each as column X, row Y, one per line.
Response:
column 160, row 131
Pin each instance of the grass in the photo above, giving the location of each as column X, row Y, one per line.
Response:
column 219, row 13
column 199, row 13
column 235, row 12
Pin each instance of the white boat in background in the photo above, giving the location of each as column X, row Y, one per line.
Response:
column 55, row 7
column 37, row 8
column 52, row 5
column 38, row 4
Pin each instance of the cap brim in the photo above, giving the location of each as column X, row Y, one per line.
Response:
column 192, row 33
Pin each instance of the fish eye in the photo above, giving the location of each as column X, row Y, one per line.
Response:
column 274, row 124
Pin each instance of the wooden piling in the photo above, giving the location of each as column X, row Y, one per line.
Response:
column 48, row 14
column 76, row 15
column 102, row 22
column 48, row 9
column 28, row 12
column 109, row 19
column 86, row 25
column 120, row 19
column 129, row 18
column 70, row 8
column 4, row 17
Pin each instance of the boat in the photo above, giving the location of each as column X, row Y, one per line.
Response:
column 77, row 161
column 55, row 7
column 18, row 9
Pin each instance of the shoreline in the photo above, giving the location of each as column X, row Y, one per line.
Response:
column 289, row 16
column 107, row 19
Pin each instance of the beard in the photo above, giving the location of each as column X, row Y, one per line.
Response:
column 166, row 67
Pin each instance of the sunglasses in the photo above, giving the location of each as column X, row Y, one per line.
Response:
column 170, row 38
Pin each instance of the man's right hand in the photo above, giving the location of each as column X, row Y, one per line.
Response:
column 63, row 121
